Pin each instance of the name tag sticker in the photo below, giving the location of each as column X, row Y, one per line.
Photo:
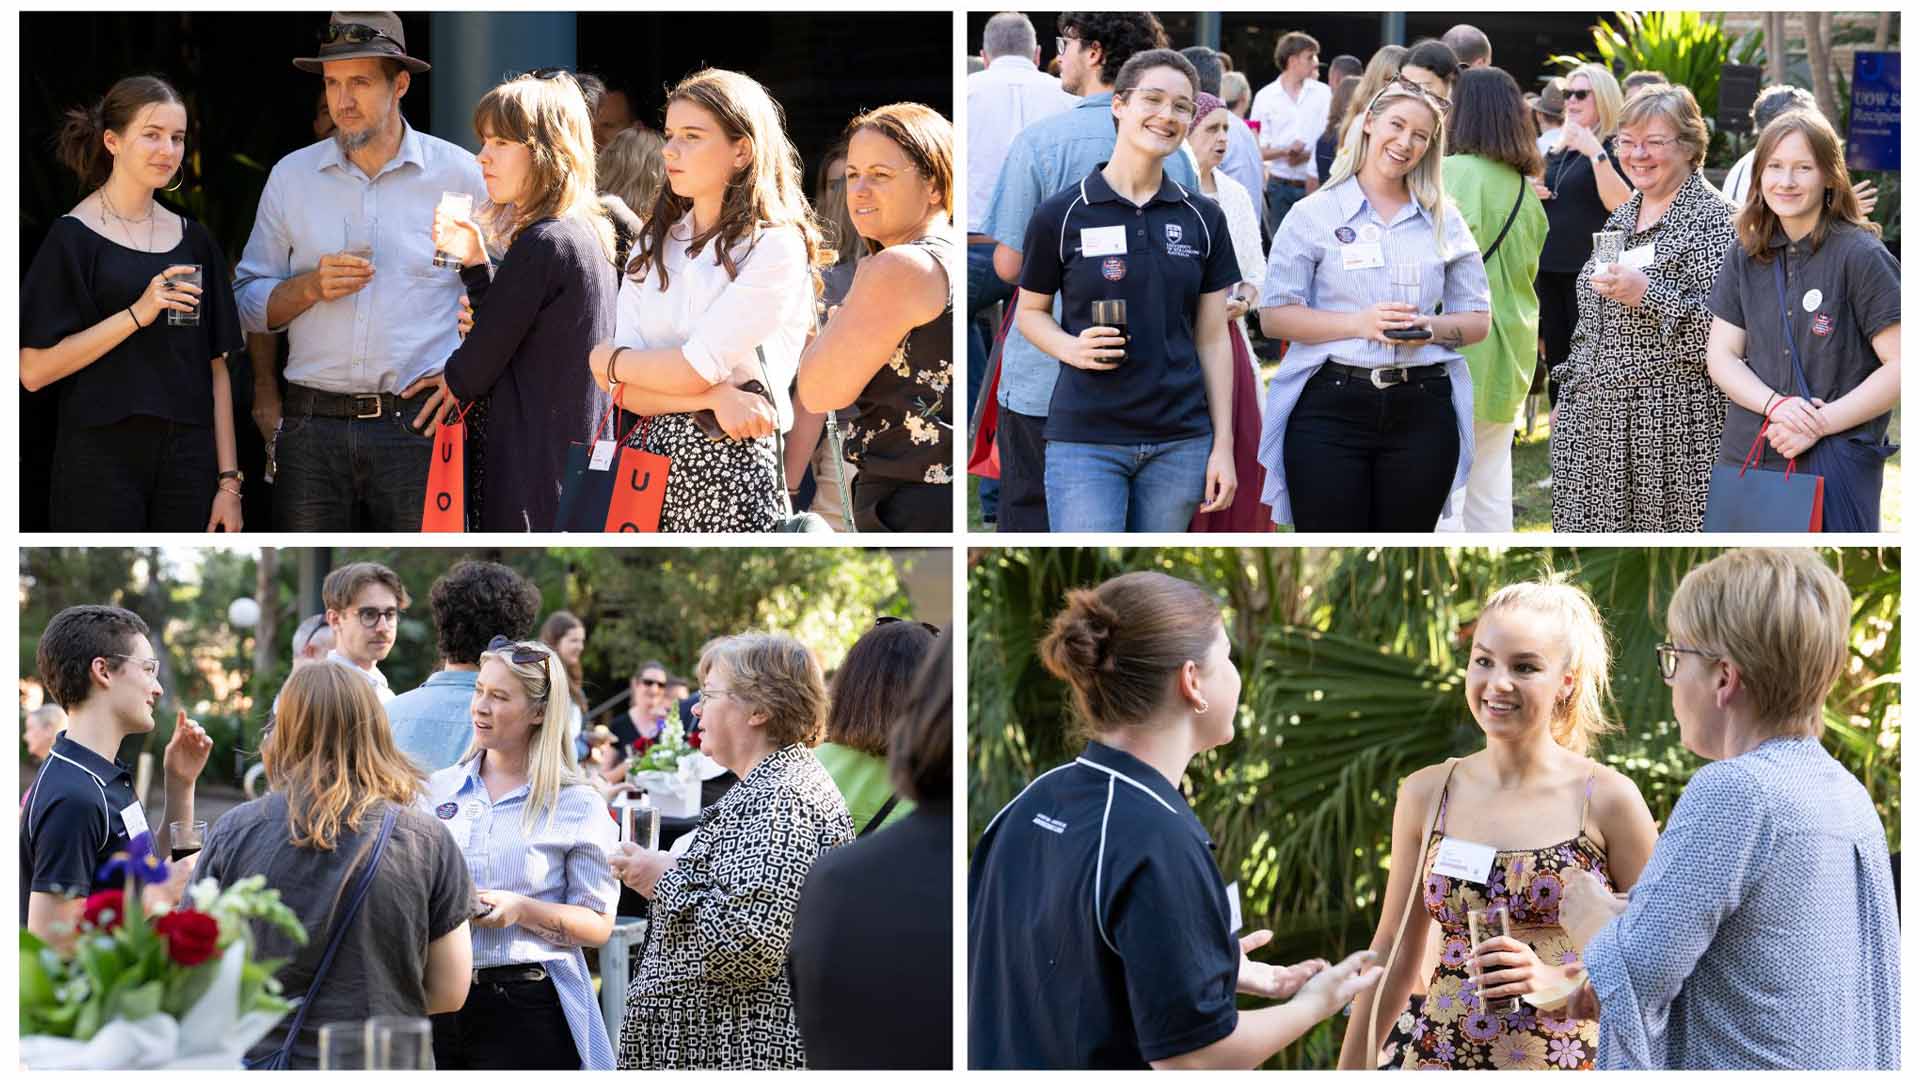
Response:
column 1811, row 301
column 1362, row 257
column 1639, row 258
column 1464, row 860
column 1233, row 908
column 602, row 459
column 135, row 819
column 1105, row 240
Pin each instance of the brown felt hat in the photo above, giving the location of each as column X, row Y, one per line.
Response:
column 1553, row 99
column 362, row 35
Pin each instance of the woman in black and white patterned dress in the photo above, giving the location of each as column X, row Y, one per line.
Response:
column 1639, row 419
column 711, row 991
column 718, row 298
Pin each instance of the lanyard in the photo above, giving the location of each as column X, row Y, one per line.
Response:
column 1786, row 325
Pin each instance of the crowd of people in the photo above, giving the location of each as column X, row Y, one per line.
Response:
column 1097, row 884
column 804, row 920
column 1421, row 237
column 611, row 286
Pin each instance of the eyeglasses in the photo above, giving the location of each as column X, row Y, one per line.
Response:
column 371, row 617
column 550, row 73
column 353, row 34
column 1060, row 43
column 1403, row 86
column 520, row 652
column 1669, row 656
column 1157, row 102
column 1656, row 145
column 1579, row 95
column 927, row 626
column 656, row 683
column 146, row 663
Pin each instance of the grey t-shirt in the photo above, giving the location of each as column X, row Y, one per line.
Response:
column 421, row 892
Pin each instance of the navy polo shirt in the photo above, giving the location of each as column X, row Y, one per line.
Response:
column 1098, row 922
column 71, row 822
column 1177, row 249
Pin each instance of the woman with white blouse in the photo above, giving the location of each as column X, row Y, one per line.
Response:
column 536, row 837
column 716, row 307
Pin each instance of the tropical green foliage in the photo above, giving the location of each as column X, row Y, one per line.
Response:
column 1689, row 47
column 1352, row 665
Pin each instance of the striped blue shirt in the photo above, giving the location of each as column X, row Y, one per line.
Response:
column 1306, row 268
column 564, row 861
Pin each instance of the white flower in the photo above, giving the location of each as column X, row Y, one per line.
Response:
column 899, row 363
column 922, row 430
column 937, row 474
column 936, row 378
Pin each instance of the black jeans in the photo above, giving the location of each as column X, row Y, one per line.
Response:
column 350, row 475
column 1023, row 472
column 1361, row 459
column 507, row 1025
column 1559, row 313
column 142, row 474
column 882, row 505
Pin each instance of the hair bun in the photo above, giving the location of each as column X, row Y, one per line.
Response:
column 1081, row 641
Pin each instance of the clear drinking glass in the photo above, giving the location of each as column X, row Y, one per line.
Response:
column 359, row 240
column 196, row 278
column 1112, row 313
column 400, row 1042
column 1482, row 925
column 343, row 1045
column 457, row 205
column 186, row 838
column 1607, row 246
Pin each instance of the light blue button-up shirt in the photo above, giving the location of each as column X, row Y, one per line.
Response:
column 404, row 324
column 433, row 723
column 564, row 861
column 1306, row 267
column 1047, row 157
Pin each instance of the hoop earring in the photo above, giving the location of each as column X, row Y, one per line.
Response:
column 179, row 179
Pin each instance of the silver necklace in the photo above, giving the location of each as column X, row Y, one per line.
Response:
column 151, row 221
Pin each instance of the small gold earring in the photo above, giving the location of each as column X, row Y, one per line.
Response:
column 1201, row 709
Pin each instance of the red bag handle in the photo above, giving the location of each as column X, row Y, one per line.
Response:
column 1754, row 453
column 619, row 395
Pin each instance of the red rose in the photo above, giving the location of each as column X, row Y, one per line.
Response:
column 191, row 936
column 106, row 910
column 693, row 740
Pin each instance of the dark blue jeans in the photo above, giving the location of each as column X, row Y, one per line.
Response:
column 984, row 290
column 143, row 474
column 1280, row 199
column 350, row 475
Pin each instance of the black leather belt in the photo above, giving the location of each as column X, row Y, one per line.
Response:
column 509, row 973
column 1382, row 377
column 306, row 401
column 1289, row 183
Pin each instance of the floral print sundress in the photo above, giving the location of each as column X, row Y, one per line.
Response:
column 1453, row 1029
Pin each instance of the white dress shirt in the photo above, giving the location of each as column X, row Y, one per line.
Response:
column 1285, row 119
column 715, row 320
column 1010, row 94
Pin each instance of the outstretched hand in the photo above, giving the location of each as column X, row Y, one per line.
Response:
column 1331, row 990
column 1271, row 980
column 186, row 753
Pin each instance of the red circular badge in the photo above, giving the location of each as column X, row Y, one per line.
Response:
column 1822, row 324
column 1113, row 268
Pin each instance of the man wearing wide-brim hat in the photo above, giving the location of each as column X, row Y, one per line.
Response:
column 1551, row 110
column 368, row 336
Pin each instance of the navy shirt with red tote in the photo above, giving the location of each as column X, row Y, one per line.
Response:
column 1100, row 928
column 73, row 821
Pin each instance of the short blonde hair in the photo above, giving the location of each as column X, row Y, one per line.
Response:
column 1607, row 99
column 1582, row 717
column 1675, row 105
column 776, row 675
column 1782, row 617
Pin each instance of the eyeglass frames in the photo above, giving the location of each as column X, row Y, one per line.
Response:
column 521, row 652
column 1579, row 95
column 1669, row 656
column 146, row 663
column 1401, row 85
column 371, row 617
column 352, row 34
column 927, row 626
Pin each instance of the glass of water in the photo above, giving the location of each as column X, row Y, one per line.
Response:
column 458, row 206
column 196, row 278
column 1607, row 247
column 400, row 1042
column 343, row 1045
column 1484, row 924
column 359, row 240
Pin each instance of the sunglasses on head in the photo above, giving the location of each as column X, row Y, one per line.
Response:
column 927, row 626
column 351, row 34
column 550, row 73
column 1400, row 85
column 521, row 652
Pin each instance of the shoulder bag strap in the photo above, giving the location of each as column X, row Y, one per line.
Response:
column 1786, row 327
column 880, row 815
column 362, row 884
column 1487, row 255
column 837, row 449
column 1406, row 913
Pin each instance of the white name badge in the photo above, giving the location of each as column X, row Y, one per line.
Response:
column 1105, row 240
column 602, row 459
column 1638, row 258
column 1811, row 301
column 135, row 820
column 1362, row 256
column 1464, row 860
column 1233, row 908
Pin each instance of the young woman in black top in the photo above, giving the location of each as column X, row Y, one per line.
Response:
column 889, row 347
column 540, row 310
column 146, row 412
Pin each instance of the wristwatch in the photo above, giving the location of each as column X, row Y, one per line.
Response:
column 1601, row 156
column 232, row 474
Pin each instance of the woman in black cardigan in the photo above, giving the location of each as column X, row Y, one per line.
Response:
column 538, row 311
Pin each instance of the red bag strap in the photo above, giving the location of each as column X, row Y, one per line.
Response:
column 619, row 397
column 1754, row 453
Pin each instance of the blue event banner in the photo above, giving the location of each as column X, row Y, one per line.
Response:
column 1873, row 128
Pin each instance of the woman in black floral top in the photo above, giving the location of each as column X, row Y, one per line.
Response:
column 711, row 991
column 889, row 348
column 1639, row 419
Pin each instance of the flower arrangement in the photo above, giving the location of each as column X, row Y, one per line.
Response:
column 664, row 753
column 179, row 988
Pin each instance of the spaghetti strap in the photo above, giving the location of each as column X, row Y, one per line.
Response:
column 1588, row 801
column 1440, row 820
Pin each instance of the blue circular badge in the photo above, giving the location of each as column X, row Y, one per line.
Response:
column 1113, row 268
column 445, row 811
column 1343, row 234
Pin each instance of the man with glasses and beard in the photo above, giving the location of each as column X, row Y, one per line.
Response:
column 368, row 333
column 364, row 601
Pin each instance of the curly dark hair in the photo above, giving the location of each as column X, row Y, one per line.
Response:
column 473, row 602
column 72, row 641
column 1119, row 34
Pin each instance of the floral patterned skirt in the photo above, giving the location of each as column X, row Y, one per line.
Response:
column 724, row 486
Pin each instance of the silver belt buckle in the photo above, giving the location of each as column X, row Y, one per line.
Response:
column 1377, row 376
column 364, row 399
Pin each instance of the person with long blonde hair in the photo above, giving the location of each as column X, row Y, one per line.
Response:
column 1369, row 425
column 1584, row 182
column 336, row 779
column 1505, row 828
column 716, row 306
column 536, row 835
column 631, row 170
column 538, row 308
